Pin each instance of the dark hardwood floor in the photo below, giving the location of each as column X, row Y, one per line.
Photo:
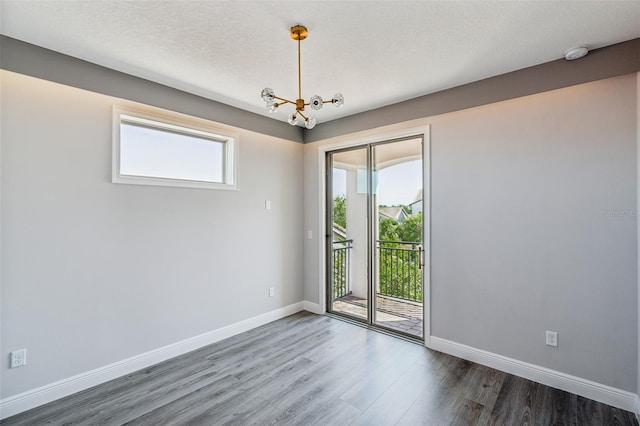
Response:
column 308, row 369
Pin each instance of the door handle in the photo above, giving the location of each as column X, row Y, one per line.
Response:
column 420, row 258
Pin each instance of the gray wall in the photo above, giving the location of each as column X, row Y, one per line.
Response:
column 313, row 200
column 638, row 211
column 525, row 236
column 95, row 272
column 28, row 59
column 521, row 240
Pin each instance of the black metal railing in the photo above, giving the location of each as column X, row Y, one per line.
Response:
column 400, row 270
column 341, row 256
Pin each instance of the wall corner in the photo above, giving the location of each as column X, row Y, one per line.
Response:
column 638, row 241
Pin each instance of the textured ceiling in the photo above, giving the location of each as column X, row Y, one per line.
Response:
column 375, row 53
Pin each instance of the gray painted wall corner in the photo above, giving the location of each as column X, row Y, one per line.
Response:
column 547, row 165
column 638, row 237
column 122, row 270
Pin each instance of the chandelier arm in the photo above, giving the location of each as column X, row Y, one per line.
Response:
column 284, row 101
column 330, row 101
column 303, row 116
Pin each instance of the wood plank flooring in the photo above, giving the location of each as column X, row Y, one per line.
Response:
column 314, row 370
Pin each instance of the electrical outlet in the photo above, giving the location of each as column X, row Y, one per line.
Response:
column 272, row 291
column 18, row 358
column 552, row 338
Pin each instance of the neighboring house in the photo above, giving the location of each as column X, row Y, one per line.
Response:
column 416, row 206
column 396, row 213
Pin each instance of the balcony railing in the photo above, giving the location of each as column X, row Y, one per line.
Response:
column 341, row 258
column 400, row 272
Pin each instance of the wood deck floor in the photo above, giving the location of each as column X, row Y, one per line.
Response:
column 396, row 314
column 308, row 369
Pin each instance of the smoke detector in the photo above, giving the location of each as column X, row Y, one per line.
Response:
column 575, row 53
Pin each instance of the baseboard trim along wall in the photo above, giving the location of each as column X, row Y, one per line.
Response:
column 315, row 308
column 556, row 379
column 34, row 398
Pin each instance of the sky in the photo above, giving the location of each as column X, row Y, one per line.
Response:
column 397, row 184
column 158, row 153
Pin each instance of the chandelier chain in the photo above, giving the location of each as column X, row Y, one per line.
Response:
column 299, row 73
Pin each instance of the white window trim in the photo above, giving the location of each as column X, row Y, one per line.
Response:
column 183, row 124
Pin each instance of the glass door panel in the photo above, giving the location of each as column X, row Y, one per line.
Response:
column 347, row 254
column 398, row 230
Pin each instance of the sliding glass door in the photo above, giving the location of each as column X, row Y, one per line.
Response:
column 375, row 230
column 348, row 244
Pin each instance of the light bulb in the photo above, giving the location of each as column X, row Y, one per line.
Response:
column 337, row 100
column 267, row 94
column 272, row 107
column 293, row 119
column 310, row 123
column 315, row 102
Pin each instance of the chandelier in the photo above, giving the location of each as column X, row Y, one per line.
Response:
column 299, row 33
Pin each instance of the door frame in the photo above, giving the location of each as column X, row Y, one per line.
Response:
column 373, row 138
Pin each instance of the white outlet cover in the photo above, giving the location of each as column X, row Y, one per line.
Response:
column 18, row 358
column 552, row 338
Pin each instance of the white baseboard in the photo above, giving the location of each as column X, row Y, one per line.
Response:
column 315, row 308
column 556, row 379
column 638, row 396
column 33, row 398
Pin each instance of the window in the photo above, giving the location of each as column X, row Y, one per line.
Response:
column 169, row 150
